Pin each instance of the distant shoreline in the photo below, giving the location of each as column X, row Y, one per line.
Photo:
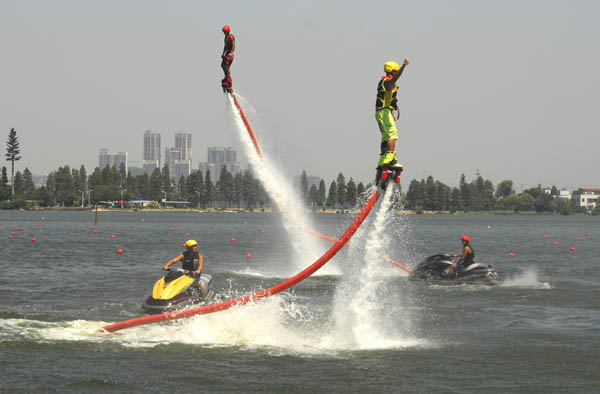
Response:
column 271, row 210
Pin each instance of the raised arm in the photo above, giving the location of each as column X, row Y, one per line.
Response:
column 389, row 84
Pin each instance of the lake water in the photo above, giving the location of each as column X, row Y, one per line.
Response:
column 536, row 331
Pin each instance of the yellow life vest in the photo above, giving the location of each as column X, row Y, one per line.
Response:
column 386, row 98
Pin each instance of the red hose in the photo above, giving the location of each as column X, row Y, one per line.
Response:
column 201, row 310
column 243, row 115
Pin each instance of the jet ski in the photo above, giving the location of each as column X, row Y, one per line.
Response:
column 178, row 290
column 436, row 267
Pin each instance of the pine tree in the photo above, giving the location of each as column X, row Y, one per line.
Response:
column 12, row 155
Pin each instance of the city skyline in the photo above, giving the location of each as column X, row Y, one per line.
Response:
column 178, row 158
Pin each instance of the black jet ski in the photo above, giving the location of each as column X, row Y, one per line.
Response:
column 435, row 268
column 178, row 290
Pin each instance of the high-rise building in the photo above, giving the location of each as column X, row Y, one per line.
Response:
column 112, row 159
column 183, row 143
column 221, row 157
column 151, row 152
column 179, row 158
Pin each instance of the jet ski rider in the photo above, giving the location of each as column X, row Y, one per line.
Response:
column 191, row 260
column 466, row 258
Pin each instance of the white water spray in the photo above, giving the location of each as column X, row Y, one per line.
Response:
column 282, row 193
column 360, row 301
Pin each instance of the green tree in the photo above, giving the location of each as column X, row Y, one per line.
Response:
column 143, row 187
column 465, row 193
column 504, row 189
column 351, row 196
column 106, row 193
column 166, row 181
column 544, row 203
column 51, row 189
column 155, row 184
column 430, row 198
column 512, row 202
column 341, row 190
column 238, row 181
column 332, row 196
column 64, row 186
column 414, row 195
column 194, row 187
column 314, row 196
column 455, row 200
column 322, row 194
column 4, row 177
column 304, row 192
column 95, row 178
column 527, row 202
column 12, row 155
column 28, row 186
column 208, row 191
column 250, row 190
column 18, row 184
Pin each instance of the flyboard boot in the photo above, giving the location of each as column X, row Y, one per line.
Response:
column 226, row 84
column 387, row 168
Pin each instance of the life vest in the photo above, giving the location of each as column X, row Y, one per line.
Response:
column 190, row 260
column 470, row 257
column 385, row 98
column 229, row 42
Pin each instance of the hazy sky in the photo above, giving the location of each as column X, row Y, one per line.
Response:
column 510, row 88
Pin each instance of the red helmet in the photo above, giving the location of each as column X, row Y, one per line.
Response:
column 465, row 238
column 226, row 29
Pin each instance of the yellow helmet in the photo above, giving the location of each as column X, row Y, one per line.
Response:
column 191, row 243
column 390, row 66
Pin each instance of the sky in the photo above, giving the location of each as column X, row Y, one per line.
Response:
column 507, row 88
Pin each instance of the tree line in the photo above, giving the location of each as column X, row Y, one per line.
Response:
column 481, row 195
column 73, row 187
